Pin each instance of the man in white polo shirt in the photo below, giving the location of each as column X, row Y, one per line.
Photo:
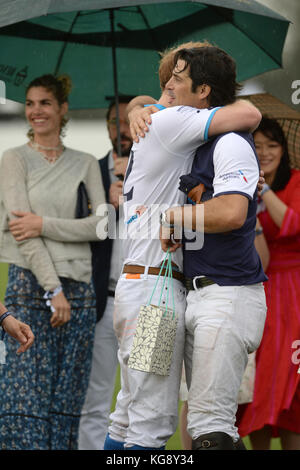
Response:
column 226, row 306
column 146, row 410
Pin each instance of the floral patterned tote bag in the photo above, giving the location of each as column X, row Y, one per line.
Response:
column 154, row 337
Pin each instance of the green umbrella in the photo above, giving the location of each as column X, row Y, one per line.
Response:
column 77, row 37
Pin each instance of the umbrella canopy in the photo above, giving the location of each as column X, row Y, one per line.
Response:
column 288, row 118
column 75, row 38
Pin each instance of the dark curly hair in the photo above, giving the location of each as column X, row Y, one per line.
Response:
column 214, row 67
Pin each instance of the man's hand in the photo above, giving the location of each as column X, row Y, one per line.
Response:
column 20, row 331
column 139, row 120
column 120, row 165
column 116, row 193
column 62, row 313
column 27, row 225
column 167, row 241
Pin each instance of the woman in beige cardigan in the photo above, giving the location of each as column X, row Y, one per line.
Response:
column 49, row 282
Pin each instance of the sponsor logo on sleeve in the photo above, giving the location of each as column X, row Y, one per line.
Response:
column 233, row 175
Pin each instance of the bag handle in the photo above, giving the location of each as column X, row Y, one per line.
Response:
column 170, row 278
column 172, row 290
column 168, row 274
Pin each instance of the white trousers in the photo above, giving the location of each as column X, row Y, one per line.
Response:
column 95, row 413
column 223, row 324
column 146, row 412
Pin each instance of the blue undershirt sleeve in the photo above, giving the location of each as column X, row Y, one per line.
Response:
column 209, row 121
column 159, row 106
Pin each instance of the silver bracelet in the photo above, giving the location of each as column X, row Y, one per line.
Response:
column 163, row 221
column 49, row 294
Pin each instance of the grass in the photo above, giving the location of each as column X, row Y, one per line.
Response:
column 174, row 443
column 3, row 279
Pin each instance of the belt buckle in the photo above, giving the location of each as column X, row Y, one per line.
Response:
column 194, row 281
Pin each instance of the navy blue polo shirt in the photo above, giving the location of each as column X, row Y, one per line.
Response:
column 227, row 164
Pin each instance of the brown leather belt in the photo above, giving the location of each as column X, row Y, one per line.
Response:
column 134, row 269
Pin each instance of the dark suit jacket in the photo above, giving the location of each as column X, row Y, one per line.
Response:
column 101, row 253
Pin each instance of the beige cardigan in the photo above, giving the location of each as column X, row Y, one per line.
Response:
column 28, row 182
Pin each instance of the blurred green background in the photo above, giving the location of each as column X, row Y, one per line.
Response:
column 3, row 279
column 174, row 443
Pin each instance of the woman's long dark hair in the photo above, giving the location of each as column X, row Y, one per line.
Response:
column 271, row 129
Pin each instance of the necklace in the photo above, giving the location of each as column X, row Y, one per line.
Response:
column 51, row 159
column 35, row 145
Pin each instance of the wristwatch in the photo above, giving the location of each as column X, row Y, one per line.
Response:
column 163, row 221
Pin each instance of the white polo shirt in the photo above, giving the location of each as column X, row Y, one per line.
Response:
column 152, row 178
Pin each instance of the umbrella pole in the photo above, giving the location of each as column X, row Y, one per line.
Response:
column 115, row 78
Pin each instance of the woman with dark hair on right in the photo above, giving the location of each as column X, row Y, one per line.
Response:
column 275, row 409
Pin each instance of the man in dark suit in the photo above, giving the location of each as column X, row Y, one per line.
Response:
column 107, row 265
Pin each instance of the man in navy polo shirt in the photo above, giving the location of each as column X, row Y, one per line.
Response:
column 147, row 405
column 226, row 305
